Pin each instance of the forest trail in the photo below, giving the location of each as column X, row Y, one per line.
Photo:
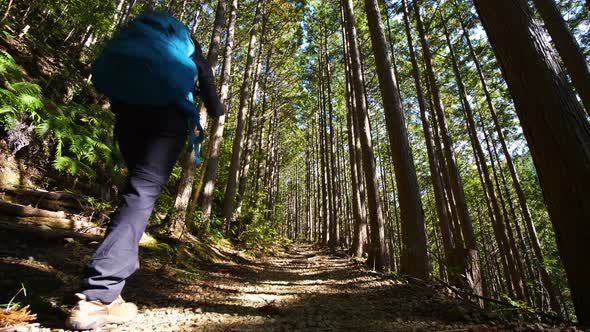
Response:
column 299, row 288
column 425, row 130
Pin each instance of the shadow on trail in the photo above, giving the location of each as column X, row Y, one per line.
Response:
column 302, row 288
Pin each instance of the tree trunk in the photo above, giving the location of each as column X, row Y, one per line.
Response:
column 308, row 186
column 520, row 245
column 377, row 255
column 547, row 281
column 127, row 12
column 513, row 257
column 118, row 13
column 212, row 167
column 468, row 257
column 414, row 258
column 389, row 233
column 435, row 173
column 182, row 10
column 358, row 207
column 359, row 237
column 230, row 190
column 7, row 10
column 324, row 167
column 318, row 177
column 568, row 48
column 196, row 17
column 556, row 129
column 334, row 230
column 457, row 237
column 254, row 116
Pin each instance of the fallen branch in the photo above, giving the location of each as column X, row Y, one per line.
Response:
column 19, row 210
column 503, row 303
column 45, row 199
column 44, row 231
column 51, row 195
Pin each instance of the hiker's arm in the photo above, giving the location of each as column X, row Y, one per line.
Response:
column 207, row 87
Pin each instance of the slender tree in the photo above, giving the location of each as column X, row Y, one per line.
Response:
column 414, row 258
column 378, row 252
column 230, row 190
column 334, row 229
column 546, row 279
column 212, row 167
column 468, row 258
column 568, row 48
column 435, row 173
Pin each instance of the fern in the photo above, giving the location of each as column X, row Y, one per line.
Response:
column 26, row 88
column 7, row 116
column 19, row 99
column 76, row 132
column 7, row 64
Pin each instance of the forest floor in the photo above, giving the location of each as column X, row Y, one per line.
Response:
column 298, row 288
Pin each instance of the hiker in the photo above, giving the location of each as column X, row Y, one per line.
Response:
column 148, row 70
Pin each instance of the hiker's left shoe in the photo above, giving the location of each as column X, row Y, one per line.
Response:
column 89, row 315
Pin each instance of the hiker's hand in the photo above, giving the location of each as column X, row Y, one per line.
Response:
column 201, row 62
column 203, row 66
column 198, row 55
column 210, row 97
column 208, row 91
column 207, row 88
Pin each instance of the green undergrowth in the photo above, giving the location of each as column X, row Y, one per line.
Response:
column 187, row 255
column 74, row 140
column 253, row 231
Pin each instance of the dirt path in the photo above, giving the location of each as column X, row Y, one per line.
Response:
column 300, row 289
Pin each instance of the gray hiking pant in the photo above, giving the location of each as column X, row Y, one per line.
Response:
column 150, row 141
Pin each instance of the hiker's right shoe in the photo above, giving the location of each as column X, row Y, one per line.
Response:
column 89, row 315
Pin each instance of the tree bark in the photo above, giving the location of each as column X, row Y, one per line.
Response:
column 324, row 167
column 334, row 230
column 435, row 172
column 556, row 129
column 230, row 190
column 378, row 252
column 467, row 257
column 127, row 12
column 253, row 115
column 530, row 226
column 414, row 258
column 513, row 255
column 118, row 13
column 182, row 10
column 212, row 167
column 7, row 10
column 308, row 186
column 359, row 237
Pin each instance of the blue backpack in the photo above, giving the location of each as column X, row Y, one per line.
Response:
column 148, row 62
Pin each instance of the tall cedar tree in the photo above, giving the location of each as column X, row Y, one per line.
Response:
column 216, row 136
column 555, row 127
column 234, row 168
column 526, row 213
column 464, row 255
column 435, row 172
column 414, row 258
column 378, row 252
